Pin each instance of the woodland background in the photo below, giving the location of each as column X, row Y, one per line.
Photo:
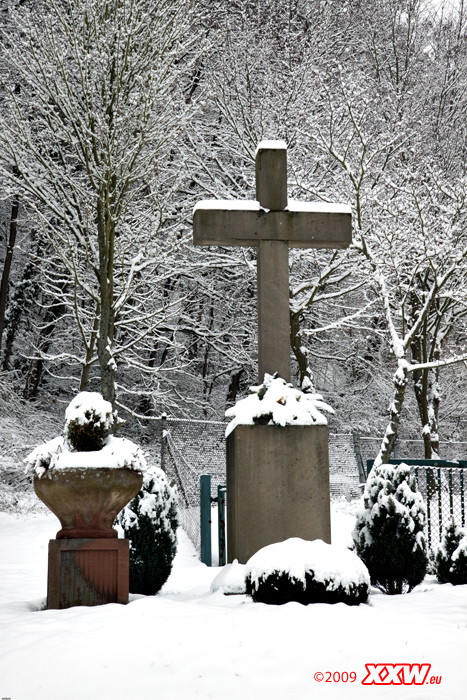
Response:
column 117, row 116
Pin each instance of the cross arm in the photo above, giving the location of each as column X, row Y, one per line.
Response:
column 246, row 223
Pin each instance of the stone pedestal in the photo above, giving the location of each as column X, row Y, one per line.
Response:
column 87, row 572
column 277, row 486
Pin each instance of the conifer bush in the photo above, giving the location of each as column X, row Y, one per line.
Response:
column 306, row 572
column 388, row 533
column 150, row 522
column 451, row 556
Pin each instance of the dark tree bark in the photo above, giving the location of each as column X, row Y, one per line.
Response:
column 7, row 264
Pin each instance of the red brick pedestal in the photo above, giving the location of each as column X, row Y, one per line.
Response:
column 87, row 572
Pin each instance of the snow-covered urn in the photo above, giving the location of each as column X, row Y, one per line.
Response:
column 87, row 476
column 389, row 531
column 275, row 402
column 306, row 572
column 150, row 522
column 451, row 556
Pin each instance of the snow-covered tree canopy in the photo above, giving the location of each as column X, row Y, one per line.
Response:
column 117, row 116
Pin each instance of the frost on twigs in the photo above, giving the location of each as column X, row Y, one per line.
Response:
column 88, row 422
column 87, row 442
column 150, row 522
column 451, row 556
column 389, row 531
column 275, row 402
column 306, row 572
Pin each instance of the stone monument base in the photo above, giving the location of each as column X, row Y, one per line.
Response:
column 277, row 486
column 87, row 572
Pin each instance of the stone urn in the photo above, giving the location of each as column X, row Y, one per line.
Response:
column 87, row 500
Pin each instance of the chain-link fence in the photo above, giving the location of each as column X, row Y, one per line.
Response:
column 190, row 448
column 444, row 492
column 411, row 449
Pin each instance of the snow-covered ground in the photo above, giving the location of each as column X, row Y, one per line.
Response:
column 188, row 643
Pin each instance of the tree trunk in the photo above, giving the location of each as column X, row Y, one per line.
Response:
column 34, row 375
column 7, row 264
column 89, row 353
column 387, row 445
column 305, row 375
column 234, row 386
column 106, row 234
column 426, row 388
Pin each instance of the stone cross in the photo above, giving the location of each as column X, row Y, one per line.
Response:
column 273, row 225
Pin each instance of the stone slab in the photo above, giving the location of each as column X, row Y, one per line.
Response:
column 87, row 572
column 277, row 486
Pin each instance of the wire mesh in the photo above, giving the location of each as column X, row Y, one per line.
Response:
column 190, row 448
column 444, row 492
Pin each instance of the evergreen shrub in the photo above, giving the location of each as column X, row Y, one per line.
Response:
column 388, row 533
column 150, row 522
column 451, row 556
column 306, row 572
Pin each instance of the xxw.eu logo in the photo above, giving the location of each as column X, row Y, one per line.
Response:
column 398, row 674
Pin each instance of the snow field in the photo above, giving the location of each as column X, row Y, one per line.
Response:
column 188, row 642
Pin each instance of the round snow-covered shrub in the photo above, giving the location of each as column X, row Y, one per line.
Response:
column 451, row 556
column 88, row 422
column 389, row 531
column 306, row 572
column 150, row 522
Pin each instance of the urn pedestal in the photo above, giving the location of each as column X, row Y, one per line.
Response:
column 88, row 564
column 87, row 572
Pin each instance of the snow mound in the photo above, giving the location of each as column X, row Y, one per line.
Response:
column 117, row 453
column 276, row 402
column 231, row 579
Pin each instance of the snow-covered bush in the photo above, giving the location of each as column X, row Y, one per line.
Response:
column 150, row 522
column 389, row 532
column 88, row 422
column 275, row 402
column 306, row 572
column 451, row 556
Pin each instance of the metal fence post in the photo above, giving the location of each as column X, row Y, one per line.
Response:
column 221, row 490
column 205, row 508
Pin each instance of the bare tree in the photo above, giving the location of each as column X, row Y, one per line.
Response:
column 91, row 137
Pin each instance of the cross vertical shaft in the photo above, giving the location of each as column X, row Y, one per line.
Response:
column 272, row 224
column 273, row 270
